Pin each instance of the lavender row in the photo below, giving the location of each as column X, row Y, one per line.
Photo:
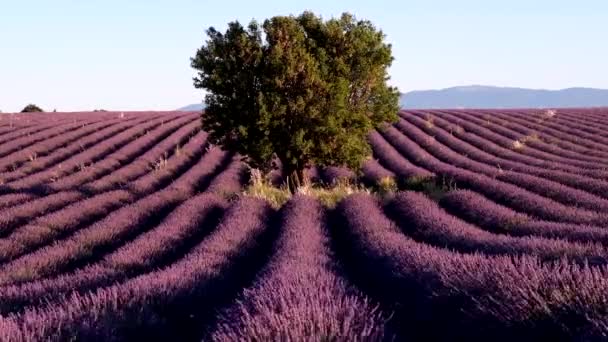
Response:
column 45, row 229
column 536, row 147
column 19, row 144
column 482, row 150
column 230, row 181
column 334, row 174
column 153, row 159
column 483, row 129
column 117, row 228
column 178, row 232
column 496, row 218
column 189, row 162
column 538, row 180
column 89, row 242
column 562, row 121
column 89, row 156
column 17, row 159
column 14, row 216
column 549, row 189
column 442, row 295
column 107, row 152
column 299, row 295
column 500, row 192
column 561, row 143
column 9, row 200
column 57, row 156
column 29, row 130
column 62, row 221
column 11, row 127
column 390, row 157
column 424, row 221
column 565, row 134
column 167, row 303
column 122, row 156
column 374, row 172
column 588, row 117
column 491, row 142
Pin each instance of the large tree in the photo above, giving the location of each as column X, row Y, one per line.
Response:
column 300, row 88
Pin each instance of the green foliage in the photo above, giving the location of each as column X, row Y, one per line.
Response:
column 306, row 90
column 31, row 108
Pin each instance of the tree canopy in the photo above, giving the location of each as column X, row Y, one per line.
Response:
column 31, row 108
column 300, row 88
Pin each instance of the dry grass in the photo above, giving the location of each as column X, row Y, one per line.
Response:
column 518, row 144
column 260, row 187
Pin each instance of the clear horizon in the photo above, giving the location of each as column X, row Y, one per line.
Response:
column 70, row 55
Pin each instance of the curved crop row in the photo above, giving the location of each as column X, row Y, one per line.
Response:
column 168, row 303
column 47, row 228
column 47, row 146
column 534, row 148
column 491, row 142
column 508, row 194
column 119, row 157
column 424, row 221
column 483, row 151
column 89, row 242
column 80, row 161
column 12, row 217
column 374, row 172
column 486, row 131
column 508, row 125
column 480, row 211
column 553, row 190
column 569, row 136
column 390, row 157
column 9, row 200
column 178, row 232
column 42, row 162
column 17, row 145
column 64, row 221
column 280, row 305
column 442, row 295
column 22, row 133
column 109, row 233
column 193, row 168
column 154, row 158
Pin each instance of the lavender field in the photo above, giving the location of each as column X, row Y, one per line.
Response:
column 132, row 226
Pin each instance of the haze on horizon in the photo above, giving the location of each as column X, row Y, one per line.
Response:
column 75, row 55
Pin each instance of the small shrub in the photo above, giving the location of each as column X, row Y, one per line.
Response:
column 387, row 185
column 434, row 188
column 31, row 108
column 549, row 113
column 518, row 145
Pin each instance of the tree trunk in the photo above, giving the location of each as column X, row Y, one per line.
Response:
column 295, row 179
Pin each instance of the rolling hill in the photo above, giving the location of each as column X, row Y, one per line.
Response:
column 503, row 97
column 476, row 96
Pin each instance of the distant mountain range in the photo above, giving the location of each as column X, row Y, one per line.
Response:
column 476, row 96
column 195, row 107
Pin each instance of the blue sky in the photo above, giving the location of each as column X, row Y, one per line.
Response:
column 125, row 55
